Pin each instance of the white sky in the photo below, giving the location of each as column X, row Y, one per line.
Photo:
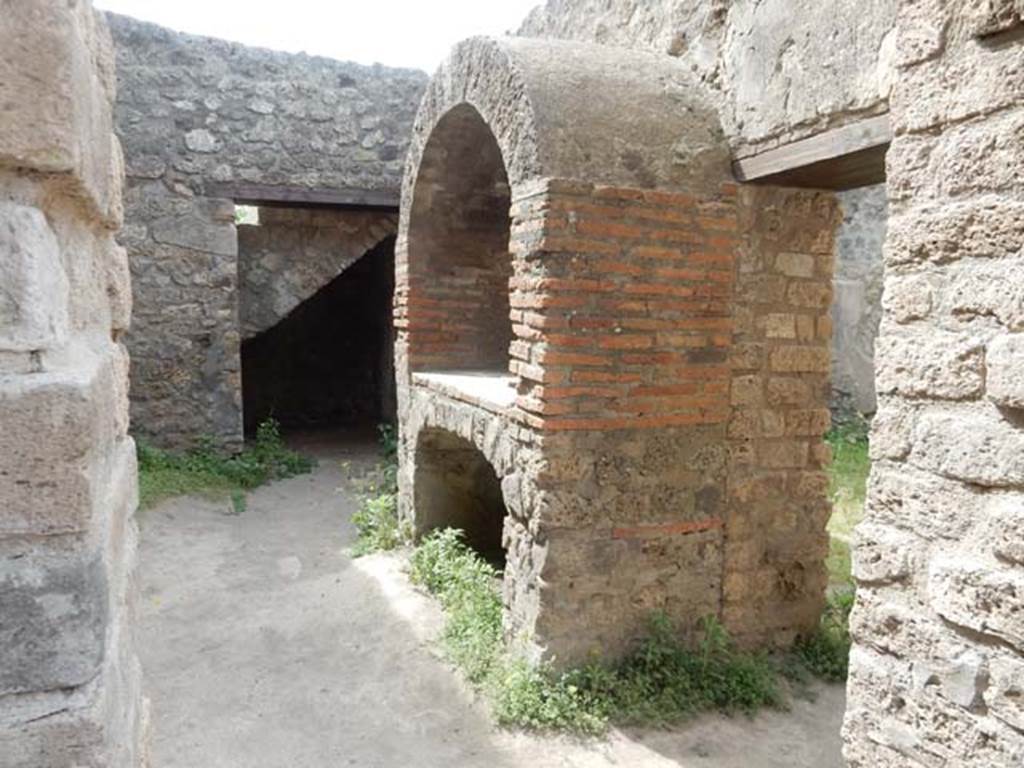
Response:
column 399, row 33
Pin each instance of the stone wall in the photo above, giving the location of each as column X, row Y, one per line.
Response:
column 780, row 68
column 937, row 668
column 69, row 676
column 857, row 300
column 777, row 504
column 199, row 117
column 664, row 393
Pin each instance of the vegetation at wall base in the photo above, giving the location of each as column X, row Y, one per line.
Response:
column 376, row 520
column 208, row 471
column 660, row 682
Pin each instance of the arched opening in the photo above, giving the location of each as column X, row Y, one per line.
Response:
column 459, row 265
column 456, row 487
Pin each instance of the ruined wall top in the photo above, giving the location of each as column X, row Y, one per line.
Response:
column 573, row 110
column 782, row 68
column 199, row 111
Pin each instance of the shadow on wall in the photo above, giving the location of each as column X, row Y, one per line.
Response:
column 329, row 361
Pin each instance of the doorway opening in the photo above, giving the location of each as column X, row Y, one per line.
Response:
column 329, row 362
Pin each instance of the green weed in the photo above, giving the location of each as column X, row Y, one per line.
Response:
column 660, row 682
column 376, row 521
column 826, row 653
column 207, row 471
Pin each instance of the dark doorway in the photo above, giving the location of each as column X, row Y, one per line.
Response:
column 328, row 363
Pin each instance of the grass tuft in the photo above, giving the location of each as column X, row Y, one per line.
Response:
column 660, row 682
column 207, row 471
column 376, row 521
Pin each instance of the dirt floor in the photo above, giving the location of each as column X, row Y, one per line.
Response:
column 266, row 646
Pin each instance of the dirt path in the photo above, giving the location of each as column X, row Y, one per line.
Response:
column 265, row 646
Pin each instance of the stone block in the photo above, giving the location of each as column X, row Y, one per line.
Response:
column 1005, row 529
column 908, row 298
column 942, row 366
column 103, row 723
column 799, row 359
column 882, row 554
column 795, row 264
column 979, row 595
column 119, row 288
column 985, row 227
column 957, row 671
column 1004, row 365
column 53, row 599
column 984, row 451
column 65, row 127
column 34, row 298
column 1004, row 695
column 57, row 424
column 983, row 291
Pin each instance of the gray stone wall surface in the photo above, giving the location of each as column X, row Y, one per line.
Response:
column 198, row 116
column 857, row 299
column 781, row 68
column 937, row 666
column 70, row 682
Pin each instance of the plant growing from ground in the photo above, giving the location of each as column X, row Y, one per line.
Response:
column 660, row 682
column 826, row 653
column 208, row 471
column 376, row 520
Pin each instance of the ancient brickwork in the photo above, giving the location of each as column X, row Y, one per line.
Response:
column 295, row 252
column 198, row 118
column 643, row 297
column 937, row 676
column 69, row 676
column 776, row 540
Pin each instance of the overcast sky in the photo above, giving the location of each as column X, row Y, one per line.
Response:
column 399, row 33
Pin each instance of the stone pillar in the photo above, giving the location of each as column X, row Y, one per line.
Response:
column 937, row 667
column 69, row 677
column 776, row 543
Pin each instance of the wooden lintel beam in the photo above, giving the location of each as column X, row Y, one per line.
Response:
column 842, row 158
column 264, row 194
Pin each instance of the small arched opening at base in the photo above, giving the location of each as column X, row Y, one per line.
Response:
column 456, row 487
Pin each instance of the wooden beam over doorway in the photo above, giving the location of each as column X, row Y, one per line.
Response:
column 346, row 197
column 842, row 158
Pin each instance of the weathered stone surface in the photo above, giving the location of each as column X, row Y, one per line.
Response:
column 1005, row 530
column 987, row 292
column 54, row 606
column 64, row 128
column 1004, row 383
column 972, row 593
column 943, row 366
column 984, row 451
column 1004, row 695
column 52, row 422
column 70, row 690
column 883, row 554
column 762, row 57
column 34, row 292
